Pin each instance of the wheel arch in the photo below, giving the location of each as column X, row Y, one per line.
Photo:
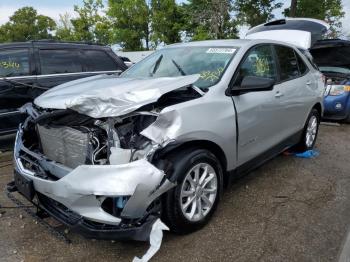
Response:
column 202, row 144
column 319, row 108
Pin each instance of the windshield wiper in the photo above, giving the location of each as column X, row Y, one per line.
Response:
column 156, row 65
column 178, row 67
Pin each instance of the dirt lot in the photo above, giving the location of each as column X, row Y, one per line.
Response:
column 290, row 209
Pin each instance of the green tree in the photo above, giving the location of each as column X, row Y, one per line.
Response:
column 26, row 24
column 209, row 19
column 166, row 21
column 255, row 12
column 90, row 25
column 65, row 29
column 130, row 22
column 330, row 11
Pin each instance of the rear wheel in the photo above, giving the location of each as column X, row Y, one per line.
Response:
column 190, row 205
column 310, row 132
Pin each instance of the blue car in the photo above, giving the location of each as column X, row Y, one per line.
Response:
column 333, row 59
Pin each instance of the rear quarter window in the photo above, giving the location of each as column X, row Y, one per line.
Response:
column 302, row 67
column 309, row 57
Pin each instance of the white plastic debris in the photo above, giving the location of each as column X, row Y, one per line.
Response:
column 155, row 239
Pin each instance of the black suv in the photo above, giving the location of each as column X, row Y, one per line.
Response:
column 30, row 68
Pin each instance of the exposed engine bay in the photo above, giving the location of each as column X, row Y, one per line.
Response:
column 72, row 139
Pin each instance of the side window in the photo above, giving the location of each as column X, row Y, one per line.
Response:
column 60, row 61
column 259, row 62
column 309, row 57
column 14, row 62
column 302, row 67
column 96, row 60
column 288, row 63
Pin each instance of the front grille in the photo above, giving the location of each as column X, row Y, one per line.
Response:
column 64, row 145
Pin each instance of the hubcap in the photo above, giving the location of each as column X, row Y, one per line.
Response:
column 311, row 131
column 198, row 192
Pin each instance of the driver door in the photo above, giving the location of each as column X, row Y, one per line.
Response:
column 16, row 79
column 259, row 113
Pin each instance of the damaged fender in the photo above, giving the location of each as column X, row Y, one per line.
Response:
column 165, row 128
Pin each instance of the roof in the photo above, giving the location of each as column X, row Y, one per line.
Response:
column 52, row 43
column 326, row 43
column 225, row 42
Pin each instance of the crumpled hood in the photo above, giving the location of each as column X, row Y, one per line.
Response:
column 108, row 95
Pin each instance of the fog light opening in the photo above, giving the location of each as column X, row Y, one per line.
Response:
column 338, row 106
column 114, row 205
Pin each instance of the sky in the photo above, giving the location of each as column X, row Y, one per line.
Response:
column 54, row 8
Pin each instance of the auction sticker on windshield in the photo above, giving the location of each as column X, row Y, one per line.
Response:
column 221, row 51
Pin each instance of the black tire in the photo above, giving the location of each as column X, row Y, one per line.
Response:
column 303, row 145
column 347, row 120
column 183, row 161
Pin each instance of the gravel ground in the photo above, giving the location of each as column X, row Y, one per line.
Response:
column 290, row 209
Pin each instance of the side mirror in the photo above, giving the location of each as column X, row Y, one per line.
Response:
column 254, row 84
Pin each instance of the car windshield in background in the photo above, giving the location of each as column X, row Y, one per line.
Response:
column 333, row 69
column 209, row 62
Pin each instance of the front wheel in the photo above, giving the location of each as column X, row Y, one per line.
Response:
column 190, row 205
column 310, row 132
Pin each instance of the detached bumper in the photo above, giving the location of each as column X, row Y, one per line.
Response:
column 75, row 197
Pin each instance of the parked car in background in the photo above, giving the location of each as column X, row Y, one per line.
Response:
column 333, row 59
column 28, row 69
column 109, row 155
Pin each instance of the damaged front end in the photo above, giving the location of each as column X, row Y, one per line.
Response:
column 96, row 175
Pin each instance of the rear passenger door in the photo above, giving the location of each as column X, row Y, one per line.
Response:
column 294, row 87
column 57, row 66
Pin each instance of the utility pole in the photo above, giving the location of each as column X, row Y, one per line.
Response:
column 293, row 8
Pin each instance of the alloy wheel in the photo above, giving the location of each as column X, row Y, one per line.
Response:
column 311, row 131
column 198, row 192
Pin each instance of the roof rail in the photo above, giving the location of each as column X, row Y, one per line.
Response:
column 65, row 42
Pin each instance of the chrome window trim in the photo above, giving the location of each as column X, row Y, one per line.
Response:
column 10, row 113
column 61, row 74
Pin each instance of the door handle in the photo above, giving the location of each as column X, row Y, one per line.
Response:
column 278, row 94
column 308, row 83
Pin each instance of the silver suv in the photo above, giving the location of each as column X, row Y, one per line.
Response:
column 108, row 155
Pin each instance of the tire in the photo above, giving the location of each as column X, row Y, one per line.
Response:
column 347, row 120
column 310, row 132
column 185, row 164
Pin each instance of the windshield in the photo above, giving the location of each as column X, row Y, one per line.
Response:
column 209, row 62
column 334, row 69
